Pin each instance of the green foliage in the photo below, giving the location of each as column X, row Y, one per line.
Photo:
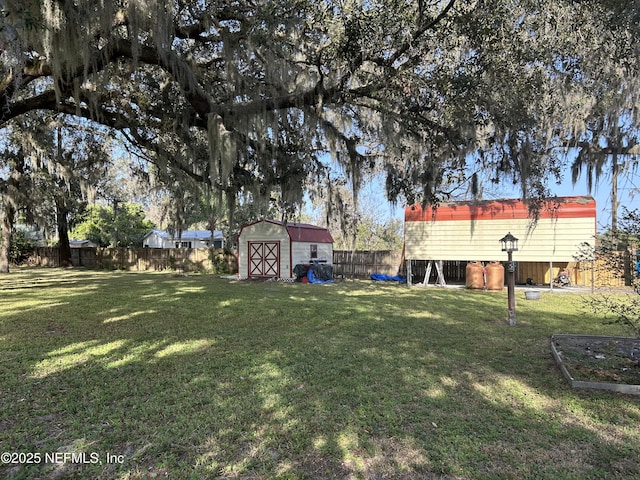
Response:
column 629, row 229
column 219, row 261
column 124, row 229
column 617, row 250
column 247, row 210
column 274, row 97
column 616, row 310
column 183, row 265
column 21, row 247
column 376, row 235
column 370, row 233
column 362, row 227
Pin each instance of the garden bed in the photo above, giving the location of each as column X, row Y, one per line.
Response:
column 595, row 362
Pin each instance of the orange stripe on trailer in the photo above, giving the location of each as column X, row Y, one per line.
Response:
column 506, row 209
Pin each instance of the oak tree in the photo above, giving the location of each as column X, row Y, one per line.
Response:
column 251, row 96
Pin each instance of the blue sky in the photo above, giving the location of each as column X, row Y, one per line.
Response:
column 602, row 195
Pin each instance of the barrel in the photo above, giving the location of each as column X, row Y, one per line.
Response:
column 495, row 276
column 474, row 275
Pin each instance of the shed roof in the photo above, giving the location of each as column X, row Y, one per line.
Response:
column 504, row 209
column 301, row 232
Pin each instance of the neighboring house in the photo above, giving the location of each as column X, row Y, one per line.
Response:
column 82, row 244
column 268, row 248
column 188, row 239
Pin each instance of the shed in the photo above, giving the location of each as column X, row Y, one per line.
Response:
column 269, row 248
column 472, row 230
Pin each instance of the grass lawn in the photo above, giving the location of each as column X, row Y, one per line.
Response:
column 149, row 375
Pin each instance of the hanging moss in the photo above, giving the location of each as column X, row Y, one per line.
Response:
column 280, row 94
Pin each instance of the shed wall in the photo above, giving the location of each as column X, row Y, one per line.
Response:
column 301, row 252
column 264, row 232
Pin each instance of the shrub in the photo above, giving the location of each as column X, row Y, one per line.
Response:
column 219, row 263
column 623, row 310
column 21, row 248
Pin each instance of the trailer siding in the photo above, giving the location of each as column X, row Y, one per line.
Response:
column 466, row 231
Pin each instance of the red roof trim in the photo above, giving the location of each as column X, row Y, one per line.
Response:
column 507, row 209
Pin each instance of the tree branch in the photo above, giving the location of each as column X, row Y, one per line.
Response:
column 421, row 30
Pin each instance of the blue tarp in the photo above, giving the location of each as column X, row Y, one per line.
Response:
column 312, row 278
column 381, row 277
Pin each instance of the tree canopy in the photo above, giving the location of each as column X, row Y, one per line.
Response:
column 124, row 226
column 296, row 96
column 53, row 167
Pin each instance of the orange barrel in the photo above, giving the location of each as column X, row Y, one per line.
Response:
column 495, row 276
column 474, row 275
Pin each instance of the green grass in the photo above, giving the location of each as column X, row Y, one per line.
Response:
column 198, row 377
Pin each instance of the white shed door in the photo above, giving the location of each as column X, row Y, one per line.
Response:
column 264, row 259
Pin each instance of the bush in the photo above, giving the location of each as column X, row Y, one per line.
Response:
column 623, row 311
column 615, row 309
column 21, row 248
column 219, row 263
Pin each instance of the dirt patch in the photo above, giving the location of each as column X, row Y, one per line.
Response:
column 594, row 359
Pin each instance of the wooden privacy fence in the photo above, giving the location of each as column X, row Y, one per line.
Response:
column 362, row 263
column 352, row 264
column 600, row 273
column 187, row 259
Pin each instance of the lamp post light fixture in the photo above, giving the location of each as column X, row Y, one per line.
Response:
column 510, row 245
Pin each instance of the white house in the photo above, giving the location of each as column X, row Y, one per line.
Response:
column 82, row 244
column 269, row 248
column 188, row 239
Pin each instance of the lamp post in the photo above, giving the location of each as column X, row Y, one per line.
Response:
column 510, row 245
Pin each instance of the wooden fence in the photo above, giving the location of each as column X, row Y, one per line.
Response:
column 580, row 273
column 347, row 263
column 186, row 259
column 362, row 263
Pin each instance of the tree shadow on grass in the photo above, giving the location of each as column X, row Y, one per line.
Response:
column 208, row 379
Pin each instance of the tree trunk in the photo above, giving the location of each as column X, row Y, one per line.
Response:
column 614, row 194
column 5, row 237
column 8, row 212
column 63, row 237
column 211, row 226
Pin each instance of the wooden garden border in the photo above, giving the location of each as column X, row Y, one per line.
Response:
column 614, row 387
